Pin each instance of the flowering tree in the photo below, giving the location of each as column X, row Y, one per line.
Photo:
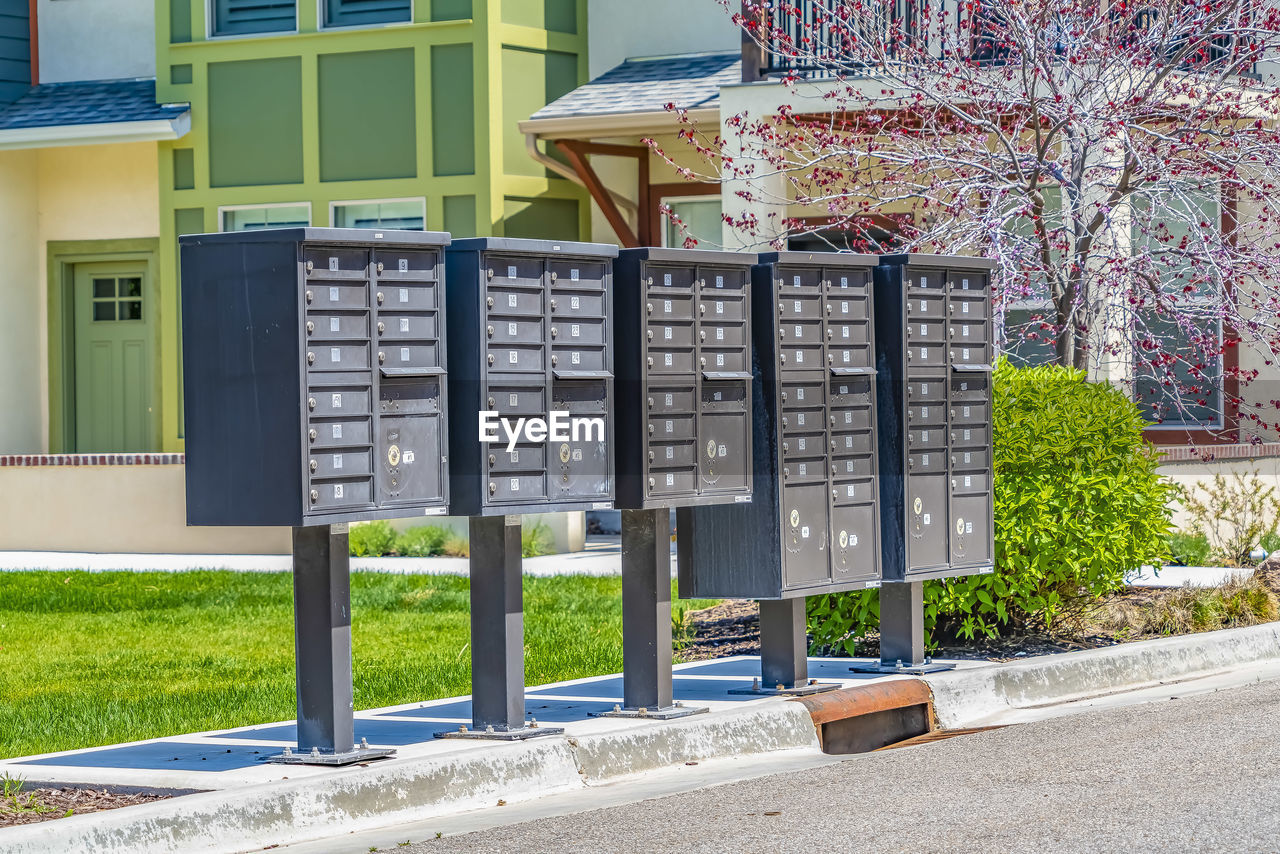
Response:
column 1119, row 161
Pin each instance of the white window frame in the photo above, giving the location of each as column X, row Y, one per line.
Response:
column 323, row 25
column 210, row 35
column 334, row 205
column 225, row 208
column 663, row 222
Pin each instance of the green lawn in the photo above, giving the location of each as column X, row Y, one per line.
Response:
column 99, row 658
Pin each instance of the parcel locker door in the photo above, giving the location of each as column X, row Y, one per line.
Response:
column 409, row 461
column 927, row 497
column 804, row 534
column 854, row 546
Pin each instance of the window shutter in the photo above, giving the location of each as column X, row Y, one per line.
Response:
column 346, row 13
column 237, row 17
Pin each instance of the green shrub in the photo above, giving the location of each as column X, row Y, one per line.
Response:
column 423, row 541
column 536, row 540
column 1078, row 505
column 1189, row 548
column 371, row 539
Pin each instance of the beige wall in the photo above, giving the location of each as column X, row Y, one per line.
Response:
column 21, row 294
column 130, row 509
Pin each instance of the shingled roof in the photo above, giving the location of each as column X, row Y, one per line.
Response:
column 690, row 81
column 87, row 102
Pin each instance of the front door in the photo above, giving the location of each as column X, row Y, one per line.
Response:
column 114, row 318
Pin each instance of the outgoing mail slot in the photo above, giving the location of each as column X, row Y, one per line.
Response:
column 853, row 418
column 671, row 427
column 842, row 308
column 964, row 413
column 850, row 391
column 800, row 395
column 927, row 462
column 963, row 332
column 798, row 306
column 518, row 271
column 968, row 483
column 570, row 274
column 926, row 307
column 345, row 463
column 851, row 443
column 507, row 301
column 972, row 309
column 670, row 400
column 334, row 494
column 724, row 447
column 672, row 455
column 801, row 358
column 804, row 470
column 722, row 334
column 400, row 356
column 404, row 264
column 337, row 325
column 796, row 279
column 669, row 306
column 586, row 331
column 395, row 327
column 586, row 304
column 582, row 358
column 969, row 437
column 731, row 361
column 930, row 437
column 970, row 458
column 671, row 334
column 513, row 331
column 516, row 400
column 324, row 295
column 851, row 492
column 406, row 296
column 927, row 390
column 338, row 434
column 672, row 481
column 926, row 280
column 581, row 397
column 975, row 355
column 844, row 468
column 510, row 488
column 724, row 396
column 662, row 361
column 968, row 282
column 970, row 529
column 521, row 458
column 332, row 356
column 718, row 306
column 799, row 332
column 675, row 278
column 719, row 279
column 409, row 395
column 927, row 500
column 522, row 358
column 322, row 402
column 325, row 262
column 927, row 414
column 925, row 331
column 801, row 445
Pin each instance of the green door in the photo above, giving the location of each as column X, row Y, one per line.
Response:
column 114, row 315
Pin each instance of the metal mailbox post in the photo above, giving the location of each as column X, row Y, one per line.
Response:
column 530, row 334
column 934, row 346
column 682, row 331
column 812, row 526
column 313, row 361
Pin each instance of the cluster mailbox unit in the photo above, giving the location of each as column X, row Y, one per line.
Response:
column 313, row 367
column 812, row 526
column 683, row 332
column 530, row 336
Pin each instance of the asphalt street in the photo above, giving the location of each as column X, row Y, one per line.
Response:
column 1194, row 774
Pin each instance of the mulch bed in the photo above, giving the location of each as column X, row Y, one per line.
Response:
column 68, row 800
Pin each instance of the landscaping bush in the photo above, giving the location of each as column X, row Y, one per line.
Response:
column 1078, row 505
column 371, row 539
column 423, row 541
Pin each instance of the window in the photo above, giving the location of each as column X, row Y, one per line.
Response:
column 352, row 13
column 245, row 217
column 243, row 17
column 701, row 216
column 1177, row 377
column 406, row 214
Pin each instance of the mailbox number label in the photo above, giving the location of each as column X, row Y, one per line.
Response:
column 337, row 401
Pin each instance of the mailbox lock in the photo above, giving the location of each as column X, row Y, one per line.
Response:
column 310, row 297
column 491, row 359
column 489, row 331
column 380, row 298
column 379, row 266
column 315, row 496
column 311, row 403
column 382, row 357
column 312, row 434
column 313, row 466
column 311, row 326
column 311, row 358
column 489, row 302
column 382, row 327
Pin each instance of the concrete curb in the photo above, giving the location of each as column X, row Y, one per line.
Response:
column 963, row 698
column 385, row 793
